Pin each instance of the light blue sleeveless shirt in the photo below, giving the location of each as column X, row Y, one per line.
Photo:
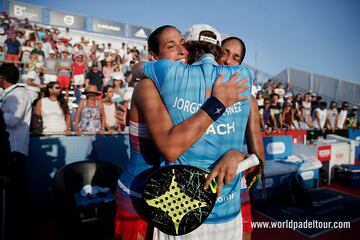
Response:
column 182, row 88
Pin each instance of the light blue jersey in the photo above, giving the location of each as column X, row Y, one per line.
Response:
column 183, row 90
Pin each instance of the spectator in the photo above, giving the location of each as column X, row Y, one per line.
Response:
column 144, row 54
column 279, row 90
column 46, row 48
column 26, row 50
column 2, row 55
column 307, row 104
column 300, row 121
column 342, row 115
column 33, row 82
column 95, row 77
column 119, row 87
column 38, row 50
column 333, row 116
column 78, row 69
column 53, row 110
column 109, row 109
column 287, row 116
column 127, row 59
column 351, row 121
column 107, row 70
column 15, row 106
column 13, row 49
column 260, row 99
column 63, row 68
column 50, row 74
column 315, row 104
column 320, row 117
column 266, row 115
column 90, row 116
column 275, row 111
column 297, row 101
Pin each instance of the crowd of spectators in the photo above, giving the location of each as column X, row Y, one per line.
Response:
column 46, row 55
column 280, row 108
column 99, row 77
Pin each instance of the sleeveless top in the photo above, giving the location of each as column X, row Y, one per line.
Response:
column 90, row 120
column 183, row 91
column 109, row 110
column 53, row 116
column 322, row 116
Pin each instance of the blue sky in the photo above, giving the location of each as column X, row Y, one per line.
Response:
column 321, row 36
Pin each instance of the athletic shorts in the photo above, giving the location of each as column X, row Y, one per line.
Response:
column 12, row 57
column 64, row 81
column 130, row 226
column 79, row 79
column 245, row 207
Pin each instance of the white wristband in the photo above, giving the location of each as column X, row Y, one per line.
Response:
column 247, row 163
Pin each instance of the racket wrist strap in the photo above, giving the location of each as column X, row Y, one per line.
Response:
column 213, row 107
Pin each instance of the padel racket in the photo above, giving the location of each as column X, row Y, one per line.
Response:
column 175, row 199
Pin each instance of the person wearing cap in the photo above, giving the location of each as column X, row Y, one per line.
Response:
column 119, row 86
column 95, row 77
column 90, row 116
column 33, row 82
column 63, row 68
column 233, row 53
column 78, row 70
column 50, row 74
column 172, row 141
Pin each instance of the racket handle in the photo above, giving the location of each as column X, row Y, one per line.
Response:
column 247, row 163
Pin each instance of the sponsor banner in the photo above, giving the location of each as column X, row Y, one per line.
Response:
column 23, row 10
column 67, row 20
column 324, row 153
column 139, row 32
column 109, row 27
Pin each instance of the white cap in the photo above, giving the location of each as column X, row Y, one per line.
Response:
column 118, row 76
column 197, row 32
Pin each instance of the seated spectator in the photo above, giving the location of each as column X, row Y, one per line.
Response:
column 287, row 116
column 109, row 109
column 333, row 116
column 320, row 117
column 33, row 82
column 297, row 101
column 90, row 116
column 266, row 115
column 275, row 111
column 50, row 74
column 53, row 110
column 306, row 103
column 260, row 99
column 342, row 115
column 289, row 90
column 301, row 121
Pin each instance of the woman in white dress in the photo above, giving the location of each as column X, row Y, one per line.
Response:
column 109, row 109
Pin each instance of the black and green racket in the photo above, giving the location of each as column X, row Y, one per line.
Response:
column 175, row 199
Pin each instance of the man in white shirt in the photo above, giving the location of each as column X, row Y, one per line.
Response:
column 15, row 106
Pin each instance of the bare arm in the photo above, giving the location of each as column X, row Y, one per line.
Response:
column 78, row 114
column 253, row 134
column 172, row 140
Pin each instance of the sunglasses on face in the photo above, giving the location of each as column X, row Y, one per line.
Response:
column 57, row 87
